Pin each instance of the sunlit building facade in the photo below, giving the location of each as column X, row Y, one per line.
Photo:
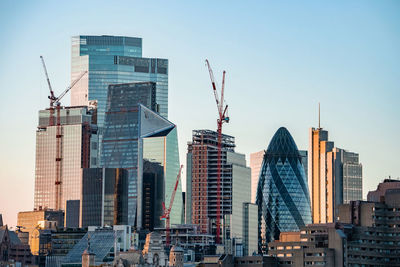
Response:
column 113, row 60
column 61, row 153
column 256, row 160
column 134, row 132
column 334, row 176
column 282, row 195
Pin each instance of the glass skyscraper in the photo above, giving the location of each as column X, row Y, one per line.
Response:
column 282, row 195
column 134, row 132
column 63, row 151
column 114, row 60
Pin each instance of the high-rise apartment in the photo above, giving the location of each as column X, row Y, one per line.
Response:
column 61, row 153
column 334, row 176
column 234, row 183
column 133, row 133
column 282, row 196
column 113, row 60
column 256, row 160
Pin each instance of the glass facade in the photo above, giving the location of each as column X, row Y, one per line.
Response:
column 282, row 195
column 63, row 150
column 163, row 150
column 104, row 197
column 129, row 119
column 114, row 60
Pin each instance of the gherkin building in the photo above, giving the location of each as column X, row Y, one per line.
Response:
column 282, row 194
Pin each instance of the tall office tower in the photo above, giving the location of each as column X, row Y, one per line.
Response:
column 134, row 131
column 304, row 160
column 334, row 176
column 235, row 183
column 61, row 153
column 282, row 195
column 250, row 229
column 256, row 159
column 104, row 197
column 113, row 60
column 345, row 171
column 322, row 207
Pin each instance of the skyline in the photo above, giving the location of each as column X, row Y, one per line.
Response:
column 348, row 61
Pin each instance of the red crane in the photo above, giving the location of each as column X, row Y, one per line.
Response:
column 56, row 101
column 222, row 117
column 166, row 212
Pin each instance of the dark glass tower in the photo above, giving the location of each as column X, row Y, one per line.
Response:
column 282, row 194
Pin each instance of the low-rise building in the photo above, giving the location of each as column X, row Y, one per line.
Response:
column 366, row 234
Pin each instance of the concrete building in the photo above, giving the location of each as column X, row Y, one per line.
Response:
column 61, row 153
column 188, row 237
column 13, row 250
column 379, row 194
column 250, row 229
column 256, row 160
column 31, row 221
column 176, row 256
column 133, row 134
column 334, row 176
column 153, row 251
column 366, row 234
column 234, row 183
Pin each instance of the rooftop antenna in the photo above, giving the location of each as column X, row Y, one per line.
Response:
column 319, row 116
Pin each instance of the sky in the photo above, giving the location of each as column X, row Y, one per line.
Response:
column 281, row 57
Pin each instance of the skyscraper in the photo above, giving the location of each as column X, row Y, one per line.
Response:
column 235, row 185
column 346, row 172
column 134, row 132
column 334, row 176
column 256, row 160
column 104, row 197
column 282, row 195
column 321, row 199
column 61, row 153
column 113, row 60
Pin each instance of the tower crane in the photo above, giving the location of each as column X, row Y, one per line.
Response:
column 166, row 212
column 55, row 101
column 222, row 118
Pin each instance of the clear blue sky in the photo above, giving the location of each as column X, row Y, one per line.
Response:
column 281, row 58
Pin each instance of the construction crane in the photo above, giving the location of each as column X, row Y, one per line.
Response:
column 55, row 101
column 166, row 212
column 222, row 118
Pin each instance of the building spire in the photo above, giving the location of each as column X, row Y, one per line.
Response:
column 319, row 116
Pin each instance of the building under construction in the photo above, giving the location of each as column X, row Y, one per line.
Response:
column 62, row 150
column 202, row 160
column 235, row 182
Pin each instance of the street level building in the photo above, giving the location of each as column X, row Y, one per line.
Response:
column 366, row 234
column 282, row 195
column 33, row 221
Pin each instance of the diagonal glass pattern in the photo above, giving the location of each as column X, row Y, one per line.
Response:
column 282, row 194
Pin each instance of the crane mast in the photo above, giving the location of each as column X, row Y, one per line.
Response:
column 166, row 212
column 222, row 118
column 55, row 101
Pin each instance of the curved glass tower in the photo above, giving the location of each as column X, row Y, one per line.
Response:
column 282, row 193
